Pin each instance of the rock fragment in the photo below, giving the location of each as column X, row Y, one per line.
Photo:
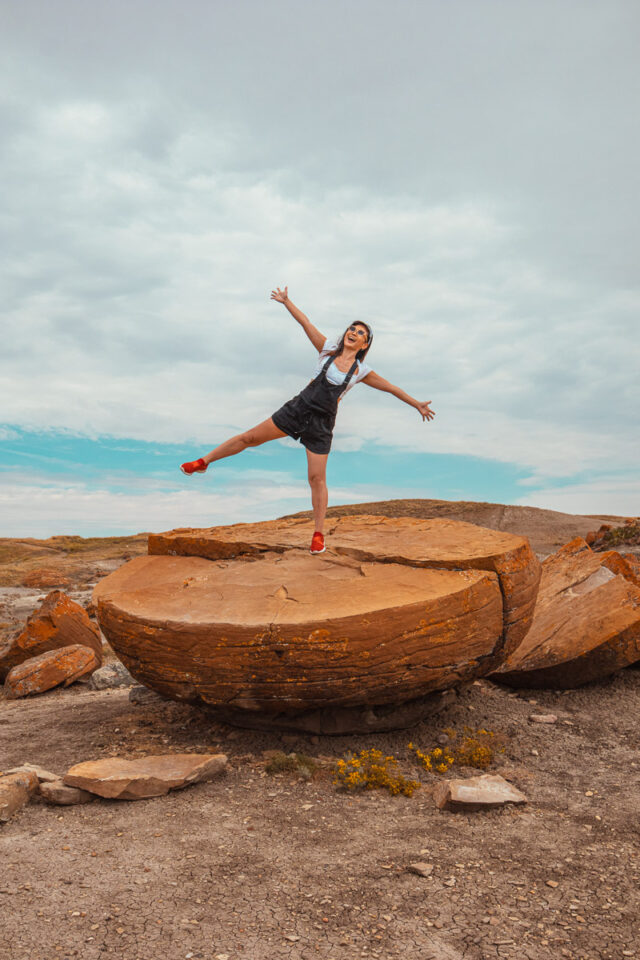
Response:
column 543, row 718
column 39, row 674
column 44, row 776
column 111, row 676
column 16, row 790
column 422, row 869
column 59, row 793
column 122, row 779
column 476, row 793
column 58, row 622
column 586, row 624
column 44, row 578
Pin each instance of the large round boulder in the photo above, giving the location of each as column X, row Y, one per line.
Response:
column 244, row 620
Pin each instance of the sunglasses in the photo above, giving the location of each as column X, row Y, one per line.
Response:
column 361, row 333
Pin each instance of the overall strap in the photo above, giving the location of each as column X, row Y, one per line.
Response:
column 328, row 363
column 349, row 375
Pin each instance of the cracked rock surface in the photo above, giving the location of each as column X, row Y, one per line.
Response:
column 244, row 617
column 586, row 624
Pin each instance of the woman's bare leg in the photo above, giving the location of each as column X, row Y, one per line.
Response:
column 317, row 463
column 265, row 431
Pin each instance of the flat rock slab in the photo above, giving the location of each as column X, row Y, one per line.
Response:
column 586, row 624
column 443, row 544
column 122, row 779
column 44, row 776
column 292, row 632
column 477, row 793
column 63, row 666
column 58, row 793
column 58, row 622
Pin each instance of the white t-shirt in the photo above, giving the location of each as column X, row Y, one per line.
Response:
column 334, row 375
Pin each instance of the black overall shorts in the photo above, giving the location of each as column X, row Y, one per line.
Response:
column 310, row 416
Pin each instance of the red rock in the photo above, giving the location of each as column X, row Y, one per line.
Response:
column 44, row 578
column 633, row 563
column 58, row 622
column 291, row 632
column 442, row 544
column 145, row 777
column 50, row 669
column 586, row 623
column 476, row 793
column 591, row 537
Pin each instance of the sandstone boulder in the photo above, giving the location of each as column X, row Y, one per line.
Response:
column 58, row 622
column 44, row 776
column 441, row 544
column 147, row 777
column 16, row 789
column 476, row 793
column 49, row 670
column 44, row 578
column 58, row 793
column 291, row 632
column 586, row 623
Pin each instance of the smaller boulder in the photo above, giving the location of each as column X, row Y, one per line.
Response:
column 122, row 779
column 59, row 793
column 44, row 578
column 58, row 622
column 110, row 676
column 142, row 695
column 50, row 670
column 16, row 789
column 476, row 793
column 44, row 776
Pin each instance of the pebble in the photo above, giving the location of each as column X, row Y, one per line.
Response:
column 422, row 869
column 543, row 718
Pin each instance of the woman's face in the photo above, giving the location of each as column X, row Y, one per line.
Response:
column 357, row 336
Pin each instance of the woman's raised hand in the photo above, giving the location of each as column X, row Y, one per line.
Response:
column 280, row 295
column 425, row 410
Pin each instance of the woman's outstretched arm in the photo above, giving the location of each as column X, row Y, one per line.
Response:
column 423, row 407
column 317, row 339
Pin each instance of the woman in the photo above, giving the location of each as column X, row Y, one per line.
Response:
column 310, row 415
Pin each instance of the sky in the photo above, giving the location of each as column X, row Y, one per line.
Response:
column 464, row 176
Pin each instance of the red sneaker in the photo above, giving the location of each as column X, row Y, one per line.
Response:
column 194, row 466
column 317, row 543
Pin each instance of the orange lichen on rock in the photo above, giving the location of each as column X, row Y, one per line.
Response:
column 50, row 669
column 586, row 623
column 58, row 622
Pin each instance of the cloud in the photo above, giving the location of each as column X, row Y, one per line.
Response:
column 44, row 506
column 474, row 195
column 606, row 495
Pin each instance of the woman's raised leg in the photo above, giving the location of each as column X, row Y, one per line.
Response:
column 317, row 463
column 264, row 432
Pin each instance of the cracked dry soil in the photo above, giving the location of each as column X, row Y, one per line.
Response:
column 254, row 866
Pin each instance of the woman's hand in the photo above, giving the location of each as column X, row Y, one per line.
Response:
column 280, row 295
column 425, row 410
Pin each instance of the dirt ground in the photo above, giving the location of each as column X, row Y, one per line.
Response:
column 256, row 866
